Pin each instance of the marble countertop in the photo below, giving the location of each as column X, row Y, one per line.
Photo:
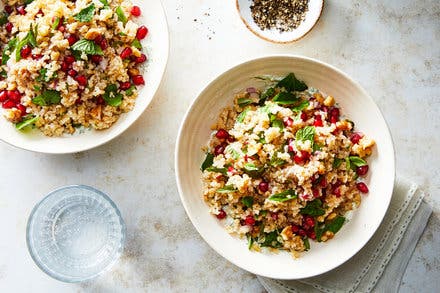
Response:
column 391, row 47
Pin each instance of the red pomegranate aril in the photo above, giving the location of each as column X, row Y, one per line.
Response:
column 295, row 228
column 302, row 232
column 14, row 96
column 219, row 149
column 334, row 112
column 263, row 186
column 141, row 32
column 96, row 58
column 315, row 192
column 362, row 187
column 138, row 80
column 362, row 170
column 8, row 104
column 69, row 59
column 337, row 191
column 318, row 121
column 288, row 122
column 98, row 39
column 25, row 51
column 37, row 56
column 103, row 44
column 40, row 12
column 9, row 26
column 21, row 10
column 355, row 137
column 250, row 221
column 323, row 182
column 100, row 100
column 65, row 66
column 22, row 109
column 126, row 53
column 222, row 134
column 78, row 101
column 221, row 215
column 9, row 9
column 124, row 85
column 72, row 39
column 309, row 221
column 135, row 11
column 141, row 59
column 311, row 234
column 82, row 80
column 303, row 116
column 274, row 216
column 3, row 96
column 298, row 160
column 72, row 72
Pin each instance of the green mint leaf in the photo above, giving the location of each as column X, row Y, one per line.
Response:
column 130, row 90
column 226, row 189
column 313, row 208
column 3, row 18
column 252, row 170
column 29, row 39
column 271, row 240
column 250, row 167
column 357, row 161
column 301, row 106
column 337, row 162
column 87, row 46
column 86, row 14
column 278, row 123
column 266, row 95
column 28, row 120
column 137, row 44
column 306, row 133
column 291, row 83
column 275, row 161
column 3, row 73
column 243, row 102
column 235, row 154
column 209, row 160
column 319, row 230
column 121, row 15
column 111, row 96
column 10, row 46
column 47, row 98
column 56, row 23
column 283, row 196
column 285, row 98
column 347, row 163
column 306, row 243
column 42, row 77
column 123, row 35
column 335, row 225
column 223, row 171
column 242, row 115
column 28, row 2
column 104, row 2
column 250, row 241
column 37, row 88
column 247, row 201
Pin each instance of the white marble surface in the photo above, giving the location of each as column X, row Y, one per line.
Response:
column 391, row 47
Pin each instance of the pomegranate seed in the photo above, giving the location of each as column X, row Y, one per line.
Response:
column 65, row 66
column 37, row 56
column 141, row 59
column 72, row 39
column 303, row 116
column 337, row 191
column 69, row 59
column 250, row 221
column 324, row 109
column 333, row 119
column 231, row 169
column 3, row 96
column 8, row 104
column 355, row 137
column 231, row 139
column 141, row 32
column 222, row 134
column 72, row 72
column 335, row 112
column 362, row 187
column 100, row 100
column 78, row 101
column 263, row 186
column 126, row 53
column 311, row 234
column 220, row 178
column 9, row 27
column 103, row 44
column 218, row 150
column 125, row 85
column 40, row 12
column 25, row 51
column 362, row 170
column 309, row 221
column 98, row 39
column 96, row 58
column 138, row 80
column 295, row 228
column 135, row 11
column 221, row 215
column 315, row 192
column 9, row 9
column 323, row 182
column 14, row 96
column 274, row 216
column 305, row 155
column 61, row 28
column 302, row 232
column 298, row 160
column 318, row 121
column 82, row 80
column 21, row 10
column 22, row 109
column 288, row 121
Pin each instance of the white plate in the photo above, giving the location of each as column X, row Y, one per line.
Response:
column 312, row 16
column 157, row 47
column 355, row 103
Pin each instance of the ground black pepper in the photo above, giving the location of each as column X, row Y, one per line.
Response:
column 283, row 15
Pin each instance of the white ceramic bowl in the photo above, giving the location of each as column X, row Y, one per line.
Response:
column 157, row 47
column 355, row 103
column 311, row 18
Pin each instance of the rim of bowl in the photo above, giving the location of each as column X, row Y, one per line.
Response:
column 237, row 6
column 117, row 255
column 244, row 63
column 117, row 133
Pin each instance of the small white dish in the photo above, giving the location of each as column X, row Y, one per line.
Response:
column 157, row 48
column 355, row 103
column 312, row 16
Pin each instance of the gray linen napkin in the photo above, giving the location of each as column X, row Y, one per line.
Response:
column 382, row 262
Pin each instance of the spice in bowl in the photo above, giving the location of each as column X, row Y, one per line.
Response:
column 283, row 15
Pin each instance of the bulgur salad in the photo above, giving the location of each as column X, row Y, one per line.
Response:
column 67, row 64
column 283, row 167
